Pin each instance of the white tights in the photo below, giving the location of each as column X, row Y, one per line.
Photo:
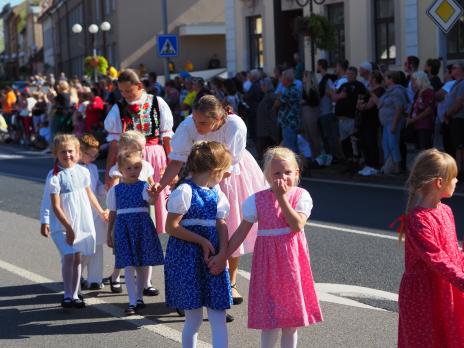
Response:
column 289, row 338
column 134, row 290
column 71, row 272
column 193, row 320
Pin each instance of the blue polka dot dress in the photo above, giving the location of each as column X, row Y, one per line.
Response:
column 136, row 242
column 189, row 284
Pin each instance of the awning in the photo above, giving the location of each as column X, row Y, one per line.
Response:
column 202, row 29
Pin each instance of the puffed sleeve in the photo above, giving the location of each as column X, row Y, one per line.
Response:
column 145, row 195
column 182, row 141
column 114, row 172
column 304, row 204
column 223, row 207
column 421, row 235
column 54, row 185
column 111, row 199
column 113, row 124
column 46, row 204
column 149, row 171
column 86, row 177
column 166, row 119
column 235, row 139
column 249, row 210
column 180, row 199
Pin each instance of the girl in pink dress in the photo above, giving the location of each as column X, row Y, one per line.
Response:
column 282, row 295
column 211, row 122
column 431, row 300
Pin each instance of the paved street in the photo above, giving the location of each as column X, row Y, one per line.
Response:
column 356, row 261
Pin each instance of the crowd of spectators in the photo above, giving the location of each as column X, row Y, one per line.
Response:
column 366, row 118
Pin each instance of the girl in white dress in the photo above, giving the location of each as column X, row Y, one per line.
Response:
column 71, row 220
column 89, row 147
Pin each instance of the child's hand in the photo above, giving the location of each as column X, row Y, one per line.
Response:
column 70, row 236
column 174, row 181
column 45, row 230
column 217, row 264
column 109, row 241
column 208, row 249
column 105, row 215
column 280, row 187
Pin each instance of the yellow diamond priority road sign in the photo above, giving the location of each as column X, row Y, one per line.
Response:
column 445, row 13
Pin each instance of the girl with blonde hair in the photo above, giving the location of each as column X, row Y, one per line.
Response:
column 431, row 298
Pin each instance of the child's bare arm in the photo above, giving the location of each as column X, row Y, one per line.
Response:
column 94, row 202
column 238, row 237
column 111, row 219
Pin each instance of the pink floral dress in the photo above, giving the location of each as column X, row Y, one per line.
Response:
column 431, row 299
column 282, row 290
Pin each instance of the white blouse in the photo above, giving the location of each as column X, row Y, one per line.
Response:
column 147, row 171
column 250, row 213
column 233, row 134
column 181, row 198
column 113, row 124
column 111, row 197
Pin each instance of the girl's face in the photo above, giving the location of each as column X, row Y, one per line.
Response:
column 131, row 169
column 447, row 189
column 215, row 178
column 203, row 123
column 129, row 91
column 67, row 155
column 88, row 155
column 284, row 170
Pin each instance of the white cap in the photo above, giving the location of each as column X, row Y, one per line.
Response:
column 366, row 66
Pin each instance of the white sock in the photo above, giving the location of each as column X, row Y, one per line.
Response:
column 76, row 280
column 148, row 277
column 142, row 276
column 269, row 338
column 193, row 320
column 289, row 337
column 217, row 320
column 67, row 274
column 129, row 273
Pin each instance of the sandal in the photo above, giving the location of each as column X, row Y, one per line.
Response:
column 151, row 291
column 140, row 305
column 131, row 310
column 78, row 303
column 67, row 302
column 237, row 299
column 229, row 318
column 115, row 286
column 181, row 312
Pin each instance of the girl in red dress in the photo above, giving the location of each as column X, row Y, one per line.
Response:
column 431, row 298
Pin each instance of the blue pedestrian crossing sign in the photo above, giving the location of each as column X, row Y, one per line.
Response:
column 168, row 46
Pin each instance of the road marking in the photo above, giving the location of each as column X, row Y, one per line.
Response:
column 350, row 230
column 334, row 293
column 136, row 320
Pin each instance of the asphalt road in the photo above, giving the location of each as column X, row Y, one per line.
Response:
column 356, row 260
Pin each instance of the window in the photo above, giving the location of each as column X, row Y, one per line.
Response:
column 456, row 39
column 255, row 41
column 336, row 16
column 384, row 24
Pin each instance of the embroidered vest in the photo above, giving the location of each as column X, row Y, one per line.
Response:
column 144, row 118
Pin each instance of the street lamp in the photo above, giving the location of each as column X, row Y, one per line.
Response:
column 93, row 29
column 303, row 3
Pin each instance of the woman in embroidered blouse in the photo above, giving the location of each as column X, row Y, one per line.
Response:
column 152, row 117
column 211, row 122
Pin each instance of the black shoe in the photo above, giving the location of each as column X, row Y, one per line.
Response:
column 238, row 299
column 106, row 281
column 67, row 302
column 80, row 296
column 229, row 318
column 78, row 303
column 131, row 310
column 115, row 286
column 140, row 305
column 151, row 291
column 84, row 284
column 95, row 286
column 181, row 312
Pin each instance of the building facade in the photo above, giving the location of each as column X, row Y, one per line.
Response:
column 259, row 32
column 131, row 41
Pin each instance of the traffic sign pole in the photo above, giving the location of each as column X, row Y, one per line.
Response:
column 165, row 29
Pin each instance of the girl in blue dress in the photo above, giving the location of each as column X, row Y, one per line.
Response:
column 136, row 244
column 197, row 210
